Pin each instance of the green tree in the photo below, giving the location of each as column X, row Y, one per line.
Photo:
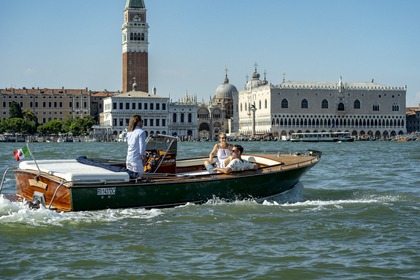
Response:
column 15, row 110
column 17, row 125
column 81, row 126
column 29, row 115
column 51, row 127
column 67, row 123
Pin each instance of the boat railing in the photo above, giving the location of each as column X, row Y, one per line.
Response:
column 4, row 177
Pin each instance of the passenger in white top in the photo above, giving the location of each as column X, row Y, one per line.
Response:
column 222, row 150
column 136, row 151
column 236, row 162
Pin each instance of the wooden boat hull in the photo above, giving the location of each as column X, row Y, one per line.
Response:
column 162, row 189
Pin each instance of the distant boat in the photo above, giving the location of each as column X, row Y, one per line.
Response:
column 322, row 137
column 85, row 184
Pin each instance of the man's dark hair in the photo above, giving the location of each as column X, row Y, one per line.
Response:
column 239, row 147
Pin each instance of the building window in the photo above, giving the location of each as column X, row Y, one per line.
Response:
column 265, row 104
column 174, row 117
column 157, row 122
column 127, row 106
column 304, row 104
column 145, row 106
column 121, row 106
column 151, row 122
column 259, row 104
column 151, row 106
column 164, row 122
column 140, row 105
column 340, row 107
column 284, row 104
column 182, row 118
column 114, row 106
column 375, row 107
column 133, row 106
column 324, row 104
column 356, row 104
column 157, row 106
column 395, row 107
column 189, row 117
column 163, row 106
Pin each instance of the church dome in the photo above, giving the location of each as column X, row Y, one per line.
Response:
column 225, row 90
column 255, row 82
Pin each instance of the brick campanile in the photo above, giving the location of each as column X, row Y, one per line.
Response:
column 135, row 41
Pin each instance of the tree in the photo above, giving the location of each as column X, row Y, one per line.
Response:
column 15, row 110
column 17, row 125
column 51, row 127
column 29, row 115
column 81, row 126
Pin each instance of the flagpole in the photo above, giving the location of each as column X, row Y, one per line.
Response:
column 27, row 145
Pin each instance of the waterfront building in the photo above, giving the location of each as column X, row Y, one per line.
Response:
column 413, row 119
column 182, row 118
column 365, row 109
column 54, row 104
column 118, row 109
column 135, row 41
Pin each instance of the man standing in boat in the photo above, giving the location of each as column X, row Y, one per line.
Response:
column 136, row 151
column 236, row 162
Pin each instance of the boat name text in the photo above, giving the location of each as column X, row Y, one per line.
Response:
column 106, row 191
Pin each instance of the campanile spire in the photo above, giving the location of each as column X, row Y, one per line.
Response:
column 135, row 41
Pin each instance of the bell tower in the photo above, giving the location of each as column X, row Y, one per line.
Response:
column 135, row 41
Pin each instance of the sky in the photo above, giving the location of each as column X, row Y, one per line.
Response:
column 77, row 43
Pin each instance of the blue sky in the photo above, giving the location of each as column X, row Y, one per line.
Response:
column 77, row 43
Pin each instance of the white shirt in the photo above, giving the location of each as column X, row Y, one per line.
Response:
column 240, row 165
column 136, row 141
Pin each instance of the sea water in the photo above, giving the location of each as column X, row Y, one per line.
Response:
column 355, row 215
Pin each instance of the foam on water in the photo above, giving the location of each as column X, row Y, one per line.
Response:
column 20, row 213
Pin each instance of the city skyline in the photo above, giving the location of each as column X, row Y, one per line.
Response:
column 77, row 44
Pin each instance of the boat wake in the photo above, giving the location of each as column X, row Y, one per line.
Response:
column 14, row 212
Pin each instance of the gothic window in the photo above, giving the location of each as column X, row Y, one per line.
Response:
column 356, row 104
column 340, row 107
column 375, row 107
column 189, row 117
column 284, row 103
column 304, row 104
column 182, row 117
column 174, row 117
column 395, row 107
column 324, row 104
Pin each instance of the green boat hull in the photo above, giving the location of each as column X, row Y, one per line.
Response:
column 168, row 194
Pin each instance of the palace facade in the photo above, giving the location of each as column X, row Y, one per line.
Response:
column 365, row 109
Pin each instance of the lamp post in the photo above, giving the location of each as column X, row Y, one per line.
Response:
column 253, row 109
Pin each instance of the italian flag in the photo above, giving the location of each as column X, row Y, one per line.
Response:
column 21, row 153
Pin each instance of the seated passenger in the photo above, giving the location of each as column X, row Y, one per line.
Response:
column 237, row 163
column 222, row 150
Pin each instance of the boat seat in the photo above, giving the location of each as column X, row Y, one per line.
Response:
column 72, row 170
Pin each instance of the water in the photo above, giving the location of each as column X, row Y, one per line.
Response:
column 355, row 215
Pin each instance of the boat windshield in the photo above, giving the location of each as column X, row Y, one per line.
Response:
column 160, row 142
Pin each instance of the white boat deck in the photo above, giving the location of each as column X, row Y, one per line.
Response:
column 71, row 170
